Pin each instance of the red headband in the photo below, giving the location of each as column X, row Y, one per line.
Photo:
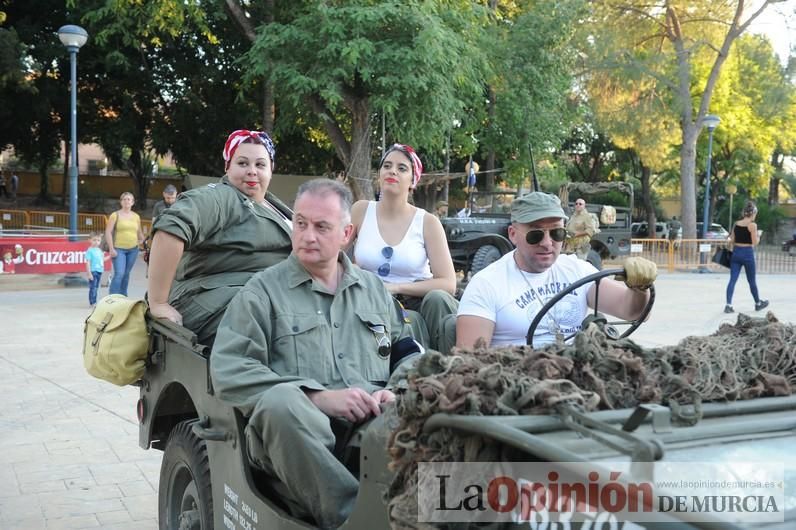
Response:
column 240, row 136
column 417, row 165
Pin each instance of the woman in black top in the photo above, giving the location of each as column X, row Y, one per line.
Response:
column 743, row 238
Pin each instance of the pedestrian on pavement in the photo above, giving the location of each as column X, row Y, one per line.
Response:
column 95, row 266
column 169, row 196
column 3, row 190
column 14, row 185
column 304, row 351
column 743, row 240
column 123, row 234
column 208, row 244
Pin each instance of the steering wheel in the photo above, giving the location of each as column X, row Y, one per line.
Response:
column 598, row 318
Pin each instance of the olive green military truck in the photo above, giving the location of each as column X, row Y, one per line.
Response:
column 207, row 480
column 479, row 237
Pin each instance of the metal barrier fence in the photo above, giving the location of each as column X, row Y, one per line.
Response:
column 49, row 219
column 86, row 222
column 44, row 220
column 90, row 222
column 13, row 219
column 696, row 254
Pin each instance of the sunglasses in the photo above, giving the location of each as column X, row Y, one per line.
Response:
column 535, row 236
column 384, row 268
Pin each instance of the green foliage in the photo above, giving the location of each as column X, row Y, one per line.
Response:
column 769, row 217
column 35, row 95
column 532, row 61
column 402, row 59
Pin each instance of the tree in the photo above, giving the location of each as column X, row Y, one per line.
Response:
column 532, row 57
column 350, row 62
column 662, row 44
column 34, row 93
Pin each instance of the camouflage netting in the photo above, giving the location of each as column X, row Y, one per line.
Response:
column 756, row 357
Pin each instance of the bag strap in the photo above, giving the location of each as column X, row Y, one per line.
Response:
column 101, row 329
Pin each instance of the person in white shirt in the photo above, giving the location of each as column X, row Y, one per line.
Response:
column 501, row 301
column 405, row 245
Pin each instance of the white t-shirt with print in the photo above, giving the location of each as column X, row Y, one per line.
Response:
column 511, row 298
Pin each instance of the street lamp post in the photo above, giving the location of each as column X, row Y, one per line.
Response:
column 73, row 37
column 711, row 121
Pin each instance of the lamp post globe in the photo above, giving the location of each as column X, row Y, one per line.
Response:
column 711, row 121
column 73, row 37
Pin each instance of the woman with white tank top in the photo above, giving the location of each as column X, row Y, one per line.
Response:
column 405, row 245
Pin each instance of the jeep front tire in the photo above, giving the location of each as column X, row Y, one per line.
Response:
column 483, row 257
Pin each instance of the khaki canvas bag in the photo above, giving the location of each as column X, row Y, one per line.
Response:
column 608, row 215
column 115, row 340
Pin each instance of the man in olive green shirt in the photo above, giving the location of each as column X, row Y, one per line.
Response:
column 305, row 342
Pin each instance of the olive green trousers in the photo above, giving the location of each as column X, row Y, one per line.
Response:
column 292, row 440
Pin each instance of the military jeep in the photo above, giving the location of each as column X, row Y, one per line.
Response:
column 207, row 480
column 479, row 236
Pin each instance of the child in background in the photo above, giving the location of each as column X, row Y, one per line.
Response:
column 95, row 265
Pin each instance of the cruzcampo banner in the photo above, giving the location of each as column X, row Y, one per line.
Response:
column 21, row 255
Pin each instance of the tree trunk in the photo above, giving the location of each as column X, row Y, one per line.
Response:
column 688, row 181
column 239, row 17
column 358, row 166
column 777, row 159
column 269, row 106
column 44, row 186
column 646, row 199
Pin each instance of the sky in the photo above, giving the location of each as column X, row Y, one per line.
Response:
column 778, row 22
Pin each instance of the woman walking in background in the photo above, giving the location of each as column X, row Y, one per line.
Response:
column 743, row 239
column 123, row 235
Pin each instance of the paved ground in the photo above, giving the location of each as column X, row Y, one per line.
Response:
column 69, row 455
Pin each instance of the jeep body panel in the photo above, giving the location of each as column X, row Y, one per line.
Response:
column 177, row 387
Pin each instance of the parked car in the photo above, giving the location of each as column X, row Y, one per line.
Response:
column 790, row 246
column 716, row 231
column 641, row 231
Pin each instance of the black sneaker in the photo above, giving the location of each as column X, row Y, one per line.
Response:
column 728, row 309
column 762, row 304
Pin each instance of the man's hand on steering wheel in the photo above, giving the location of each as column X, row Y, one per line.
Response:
column 639, row 273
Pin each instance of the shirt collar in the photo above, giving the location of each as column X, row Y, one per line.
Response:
column 297, row 274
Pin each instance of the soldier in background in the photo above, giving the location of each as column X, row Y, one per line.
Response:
column 441, row 210
column 580, row 229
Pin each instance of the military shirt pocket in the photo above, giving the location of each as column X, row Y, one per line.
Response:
column 300, row 341
column 376, row 354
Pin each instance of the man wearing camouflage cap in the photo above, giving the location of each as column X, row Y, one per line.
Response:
column 501, row 301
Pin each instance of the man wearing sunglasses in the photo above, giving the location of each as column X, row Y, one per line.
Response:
column 581, row 227
column 500, row 301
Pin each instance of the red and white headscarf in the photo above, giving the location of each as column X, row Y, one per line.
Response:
column 240, row 136
column 417, row 165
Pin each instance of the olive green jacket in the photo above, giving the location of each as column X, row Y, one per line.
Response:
column 228, row 238
column 283, row 327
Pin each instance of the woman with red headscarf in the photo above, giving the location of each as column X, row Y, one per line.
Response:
column 213, row 239
column 405, row 245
